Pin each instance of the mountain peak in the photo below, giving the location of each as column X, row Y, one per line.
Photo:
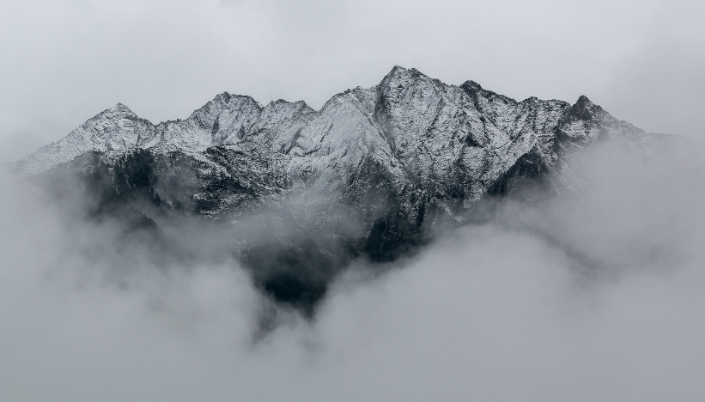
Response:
column 584, row 101
column 583, row 109
column 118, row 111
column 471, row 87
column 472, row 84
column 397, row 69
column 224, row 97
column 119, row 108
column 397, row 73
column 400, row 77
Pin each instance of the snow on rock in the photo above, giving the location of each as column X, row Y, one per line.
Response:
column 373, row 173
column 429, row 142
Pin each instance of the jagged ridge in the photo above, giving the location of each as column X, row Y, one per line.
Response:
column 398, row 158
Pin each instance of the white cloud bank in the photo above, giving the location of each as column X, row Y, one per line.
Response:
column 597, row 296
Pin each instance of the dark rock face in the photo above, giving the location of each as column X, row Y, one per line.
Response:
column 369, row 175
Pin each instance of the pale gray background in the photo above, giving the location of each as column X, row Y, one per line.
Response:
column 484, row 314
column 63, row 61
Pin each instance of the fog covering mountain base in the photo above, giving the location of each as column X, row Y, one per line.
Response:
column 591, row 295
column 582, row 283
column 297, row 195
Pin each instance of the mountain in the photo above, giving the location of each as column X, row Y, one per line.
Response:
column 372, row 174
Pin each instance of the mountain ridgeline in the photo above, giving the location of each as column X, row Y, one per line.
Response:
column 296, row 194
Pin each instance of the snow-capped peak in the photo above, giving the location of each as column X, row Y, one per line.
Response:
column 408, row 120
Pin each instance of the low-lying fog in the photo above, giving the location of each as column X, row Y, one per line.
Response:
column 597, row 295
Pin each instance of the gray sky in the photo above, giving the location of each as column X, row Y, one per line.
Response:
column 484, row 314
column 63, row 61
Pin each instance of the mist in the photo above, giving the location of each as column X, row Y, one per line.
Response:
column 597, row 293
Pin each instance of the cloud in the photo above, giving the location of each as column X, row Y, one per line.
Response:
column 594, row 295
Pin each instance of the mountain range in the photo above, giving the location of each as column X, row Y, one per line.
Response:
column 373, row 174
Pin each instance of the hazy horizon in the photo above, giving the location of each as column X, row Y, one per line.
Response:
column 65, row 61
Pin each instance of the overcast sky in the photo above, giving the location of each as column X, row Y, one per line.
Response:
column 63, row 61
column 484, row 314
